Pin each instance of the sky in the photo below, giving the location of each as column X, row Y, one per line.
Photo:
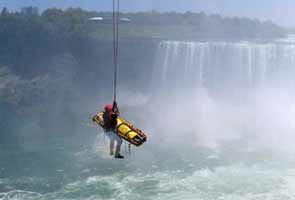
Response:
column 281, row 12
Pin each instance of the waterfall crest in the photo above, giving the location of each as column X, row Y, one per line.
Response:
column 217, row 65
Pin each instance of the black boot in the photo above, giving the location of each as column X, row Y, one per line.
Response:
column 117, row 152
column 119, row 156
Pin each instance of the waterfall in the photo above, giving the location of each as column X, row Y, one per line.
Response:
column 219, row 91
column 220, row 65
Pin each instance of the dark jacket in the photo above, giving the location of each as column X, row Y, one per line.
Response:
column 110, row 120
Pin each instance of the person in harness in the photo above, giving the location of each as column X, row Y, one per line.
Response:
column 110, row 115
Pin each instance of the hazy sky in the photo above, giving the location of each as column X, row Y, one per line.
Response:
column 280, row 11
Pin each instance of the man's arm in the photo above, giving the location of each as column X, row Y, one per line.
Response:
column 115, row 108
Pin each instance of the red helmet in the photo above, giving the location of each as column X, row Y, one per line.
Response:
column 108, row 107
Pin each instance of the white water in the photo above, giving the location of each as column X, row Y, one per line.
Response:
column 242, row 64
column 228, row 91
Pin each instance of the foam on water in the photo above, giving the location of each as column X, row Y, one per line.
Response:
column 223, row 183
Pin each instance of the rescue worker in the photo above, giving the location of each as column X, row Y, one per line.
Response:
column 110, row 115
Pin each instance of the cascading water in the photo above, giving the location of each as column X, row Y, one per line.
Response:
column 233, row 86
column 220, row 65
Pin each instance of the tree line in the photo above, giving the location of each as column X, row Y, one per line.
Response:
column 28, row 34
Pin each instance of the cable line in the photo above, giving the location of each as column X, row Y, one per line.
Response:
column 116, row 15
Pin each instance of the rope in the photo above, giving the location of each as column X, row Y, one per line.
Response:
column 127, row 148
column 116, row 14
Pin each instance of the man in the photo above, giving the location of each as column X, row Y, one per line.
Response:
column 110, row 124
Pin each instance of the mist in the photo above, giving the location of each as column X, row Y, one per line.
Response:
column 253, row 106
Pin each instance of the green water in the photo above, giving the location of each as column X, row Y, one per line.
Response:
column 71, row 170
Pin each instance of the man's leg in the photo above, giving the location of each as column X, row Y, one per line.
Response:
column 118, row 147
column 112, row 145
column 110, row 135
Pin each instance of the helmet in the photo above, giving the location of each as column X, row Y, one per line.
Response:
column 108, row 107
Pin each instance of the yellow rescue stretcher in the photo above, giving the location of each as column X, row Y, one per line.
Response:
column 124, row 129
